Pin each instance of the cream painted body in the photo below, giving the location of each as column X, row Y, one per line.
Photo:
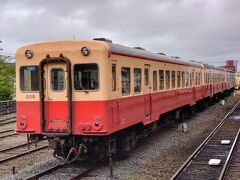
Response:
column 71, row 50
column 99, row 53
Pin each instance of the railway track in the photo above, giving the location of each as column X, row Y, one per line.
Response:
column 7, row 133
column 21, row 150
column 7, row 116
column 232, row 167
column 72, row 171
column 7, row 120
column 211, row 160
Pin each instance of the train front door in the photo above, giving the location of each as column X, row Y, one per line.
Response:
column 55, row 110
column 147, row 90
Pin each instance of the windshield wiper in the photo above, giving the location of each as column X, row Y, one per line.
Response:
column 86, row 91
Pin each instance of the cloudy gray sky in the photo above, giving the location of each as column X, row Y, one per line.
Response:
column 204, row 30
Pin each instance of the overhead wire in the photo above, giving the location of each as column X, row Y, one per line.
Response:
column 218, row 53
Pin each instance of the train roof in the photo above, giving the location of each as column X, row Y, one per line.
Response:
column 141, row 53
column 118, row 49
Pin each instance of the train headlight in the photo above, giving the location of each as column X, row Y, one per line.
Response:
column 29, row 54
column 85, row 51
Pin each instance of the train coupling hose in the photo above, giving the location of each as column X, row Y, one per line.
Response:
column 72, row 149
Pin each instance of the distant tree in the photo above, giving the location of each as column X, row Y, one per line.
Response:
column 7, row 79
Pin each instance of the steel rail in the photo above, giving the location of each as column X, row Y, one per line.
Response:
column 8, row 118
column 23, row 153
column 40, row 174
column 9, row 130
column 188, row 161
column 15, row 147
column 7, row 135
column 75, row 177
column 224, row 170
column 9, row 121
column 85, row 173
column 49, row 170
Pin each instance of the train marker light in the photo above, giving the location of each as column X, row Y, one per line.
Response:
column 29, row 54
column 85, row 51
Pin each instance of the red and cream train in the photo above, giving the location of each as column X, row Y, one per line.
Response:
column 91, row 97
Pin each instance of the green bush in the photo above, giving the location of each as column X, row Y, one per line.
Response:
column 7, row 79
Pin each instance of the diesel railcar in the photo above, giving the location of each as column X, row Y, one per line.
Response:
column 93, row 97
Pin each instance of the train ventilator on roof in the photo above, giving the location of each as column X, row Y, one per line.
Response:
column 214, row 162
column 225, row 142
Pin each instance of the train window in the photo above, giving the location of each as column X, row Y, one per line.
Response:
column 126, row 80
column 57, row 79
column 187, row 79
column 137, row 80
column 196, row 78
column 199, row 78
column 208, row 78
column 161, row 79
column 114, row 78
column 86, row 77
column 173, row 80
column 183, row 79
column 193, row 79
column 154, row 80
column 178, row 79
column 205, row 78
column 190, row 79
column 29, row 78
column 146, row 77
column 167, row 79
column 192, row 74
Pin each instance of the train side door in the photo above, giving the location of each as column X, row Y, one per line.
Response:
column 147, row 90
column 211, row 84
column 55, row 98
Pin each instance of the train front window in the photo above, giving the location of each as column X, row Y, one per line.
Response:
column 57, row 79
column 86, row 76
column 29, row 78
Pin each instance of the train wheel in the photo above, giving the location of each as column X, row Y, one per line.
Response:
column 193, row 110
column 99, row 150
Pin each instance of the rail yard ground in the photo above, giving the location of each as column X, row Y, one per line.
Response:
column 158, row 156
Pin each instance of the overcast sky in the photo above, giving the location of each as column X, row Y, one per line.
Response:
column 204, row 30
